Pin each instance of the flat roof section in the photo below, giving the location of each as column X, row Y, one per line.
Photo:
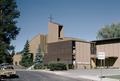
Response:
column 106, row 41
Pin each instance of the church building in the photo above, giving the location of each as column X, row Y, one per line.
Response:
column 74, row 52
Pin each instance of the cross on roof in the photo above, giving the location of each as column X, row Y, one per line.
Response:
column 50, row 18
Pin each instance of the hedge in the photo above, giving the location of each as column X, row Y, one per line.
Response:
column 57, row 66
column 39, row 66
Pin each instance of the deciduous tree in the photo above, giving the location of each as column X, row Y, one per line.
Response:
column 8, row 28
column 109, row 31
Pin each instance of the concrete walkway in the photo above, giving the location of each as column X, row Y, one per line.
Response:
column 93, row 75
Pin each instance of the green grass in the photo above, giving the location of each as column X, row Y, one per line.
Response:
column 114, row 77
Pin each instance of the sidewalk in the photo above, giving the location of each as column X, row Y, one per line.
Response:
column 78, row 75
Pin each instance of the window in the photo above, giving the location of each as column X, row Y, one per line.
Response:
column 60, row 32
column 73, row 44
column 58, row 59
column 93, row 48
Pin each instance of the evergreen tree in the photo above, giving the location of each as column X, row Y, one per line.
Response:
column 39, row 56
column 8, row 28
column 27, row 57
column 26, row 48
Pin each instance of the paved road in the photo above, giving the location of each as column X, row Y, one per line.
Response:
column 40, row 76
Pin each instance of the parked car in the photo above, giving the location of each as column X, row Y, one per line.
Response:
column 7, row 71
column 1, row 73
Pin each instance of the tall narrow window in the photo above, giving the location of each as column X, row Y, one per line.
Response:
column 93, row 48
column 60, row 33
column 58, row 59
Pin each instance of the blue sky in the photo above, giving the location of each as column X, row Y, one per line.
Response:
column 81, row 18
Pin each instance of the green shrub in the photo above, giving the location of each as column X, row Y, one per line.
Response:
column 57, row 66
column 70, row 66
column 39, row 66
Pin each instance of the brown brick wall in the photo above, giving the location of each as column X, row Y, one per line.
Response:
column 36, row 41
column 61, row 50
column 55, row 31
column 83, row 54
column 111, row 50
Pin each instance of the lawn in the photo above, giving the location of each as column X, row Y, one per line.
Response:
column 114, row 77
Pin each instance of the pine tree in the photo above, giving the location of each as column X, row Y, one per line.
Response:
column 27, row 57
column 8, row 28
column 39, row 56
column 26, row 48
